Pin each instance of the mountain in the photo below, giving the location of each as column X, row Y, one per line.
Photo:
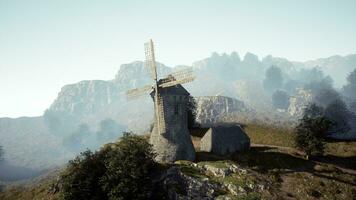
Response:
column 338, row 67
column 87, row 105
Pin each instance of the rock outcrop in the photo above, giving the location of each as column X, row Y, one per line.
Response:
column 298, row 102
column 208, row 181
column 211, row 109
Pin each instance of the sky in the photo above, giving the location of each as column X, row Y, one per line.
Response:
column 47, row 44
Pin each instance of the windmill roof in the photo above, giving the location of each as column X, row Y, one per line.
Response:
column 174, row 90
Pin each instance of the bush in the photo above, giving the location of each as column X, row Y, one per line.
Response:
column 128, row 169
column 311, row 131
column 118, row 171
column 280, row 99
column 273, row 79
column 339, row 115
column 350, row 87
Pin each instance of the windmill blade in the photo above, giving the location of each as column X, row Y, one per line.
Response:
column 173, row 82
column 150, row 58
column 181, row 74
column 134, row 93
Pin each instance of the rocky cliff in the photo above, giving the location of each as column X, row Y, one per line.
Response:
column 212, row 109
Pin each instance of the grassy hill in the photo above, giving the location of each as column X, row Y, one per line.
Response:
column 273, row 169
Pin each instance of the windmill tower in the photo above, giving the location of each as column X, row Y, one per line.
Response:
column 170, row 135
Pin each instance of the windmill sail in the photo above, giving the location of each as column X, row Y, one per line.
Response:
column 134, row 93
column 179, row 77
column 176, row 82
column 151, row 62
column 150, row 59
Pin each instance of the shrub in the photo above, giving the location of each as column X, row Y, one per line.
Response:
column 128, row 169
column 280, row 99
column 273, row 79
column 81, row 178
column 338, row 113
column 311, row 131
column 118, row 171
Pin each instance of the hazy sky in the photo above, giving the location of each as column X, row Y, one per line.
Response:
column 47, row 44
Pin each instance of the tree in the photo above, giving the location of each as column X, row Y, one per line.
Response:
column 339, row 115
column 314, row 74
column 273, row 79
column 291, row 86
column 80, row 139
column 128, row 169
column 280, row 99
column 117, row 171
column 81, row 178
column 353, row 107
column 315, row 86
column 325, row 96
column 109, row 131
column 311, row 130
column 350, row 87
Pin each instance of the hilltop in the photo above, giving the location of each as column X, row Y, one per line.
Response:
column 272, row 169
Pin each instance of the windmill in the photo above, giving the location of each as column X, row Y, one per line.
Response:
column 170, row 136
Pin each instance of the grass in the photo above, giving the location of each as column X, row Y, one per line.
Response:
column 39, row 191
column 275, row 167
column 342, row 149
column 264, row 134
column 320, row 186
column 264, row 159
column 270, row 135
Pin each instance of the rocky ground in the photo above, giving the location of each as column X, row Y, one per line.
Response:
column 265, row 172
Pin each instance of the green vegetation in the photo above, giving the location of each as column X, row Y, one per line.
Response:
column 280, row 99
column 33, row 192
column 271, row 135
column 267, row 158
column 119, row 171
column 123, row 170
column 252, row 196
column 311, row 131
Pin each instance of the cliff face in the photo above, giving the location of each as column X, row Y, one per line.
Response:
column 92, row 101
column 211, row 109
column 85, row 97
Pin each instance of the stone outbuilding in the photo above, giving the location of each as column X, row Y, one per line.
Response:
column 223, row 140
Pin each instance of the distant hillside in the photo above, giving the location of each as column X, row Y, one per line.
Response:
column 86, row 105
column 28, row 148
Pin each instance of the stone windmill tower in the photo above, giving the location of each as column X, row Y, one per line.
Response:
column 170, row 135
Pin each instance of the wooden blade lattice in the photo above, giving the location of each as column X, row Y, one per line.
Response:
column 180, row 77
column 150, row 59
column 137, row 92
